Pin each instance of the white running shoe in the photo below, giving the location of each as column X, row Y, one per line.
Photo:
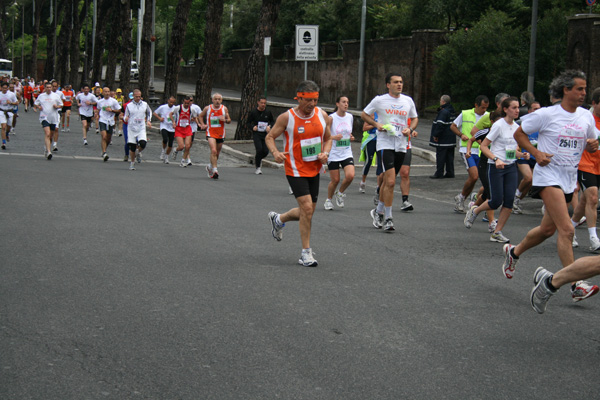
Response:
column 62, row 129
column 162, row 155
column 541, row 293
column 499, row 237
column 258, row 171
column 575, row 242
column 138, row 157
column 361, row 187
column 492, row 226
column 183, row 163
column 307, row 259
column 388, row 225
column 328, row 205
column 510, row 262
column 470, row 217
column 209, row 171
column 68, row 129
column 517, row 206
column 594, row 244
column 105, row 157
column 406, row 206
column 339, row 199
column 189, row 161
column 276, row 230
column 85, row 142
column 174, row 155
column 459, row 205
column 132, row 166
column 377, row 219
column 581, row 222
column 166, row 159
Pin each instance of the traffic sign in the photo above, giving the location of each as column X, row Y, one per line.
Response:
column 307, row 42
column 590, row 2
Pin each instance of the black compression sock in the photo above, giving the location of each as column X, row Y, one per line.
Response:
column 404, row 198
column 512, row 253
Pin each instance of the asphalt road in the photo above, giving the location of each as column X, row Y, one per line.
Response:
column 162, row 284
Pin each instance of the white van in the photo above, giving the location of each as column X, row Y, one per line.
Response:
column 6, row 67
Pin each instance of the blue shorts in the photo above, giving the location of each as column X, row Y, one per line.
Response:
column 46, row 124
column 472, row 161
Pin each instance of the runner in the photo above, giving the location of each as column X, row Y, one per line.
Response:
column 86, row 102
column 98, row 93
column 63, row 98
column 500, row 148
column 138, row 116
column 167, row 130
column 462, row 127
column 196, row 110
column 307, row 143
column 565, row 129
column 28, row 95
column 526, row 168
column 368, row 147
column 182, row 117
column 216, row 114
column 125, row 133
column 48, row 103
column 15, row 112
column 107, row 108
column 260, row 122
column 7, row 102
column 121, row 99
column 65, row 115
column 393, row 109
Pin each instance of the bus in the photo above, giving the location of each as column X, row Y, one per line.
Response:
column 6, row 68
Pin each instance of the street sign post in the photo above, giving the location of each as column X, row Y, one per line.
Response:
column 307, row 45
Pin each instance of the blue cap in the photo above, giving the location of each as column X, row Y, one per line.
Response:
column 130, row 95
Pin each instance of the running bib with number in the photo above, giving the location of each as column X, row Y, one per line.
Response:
column 398, row 125
column 569, row 145
column 184, row 122
column 343, row 143
column 138, row 121
column 310, row 148
column 511, row 154
column 215, row 122
column 262, row 126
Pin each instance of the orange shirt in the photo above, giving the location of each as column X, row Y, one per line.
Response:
column 216, row 127
column 590, row 162
column 68, row 97
column 27, row 90
column 303, row 142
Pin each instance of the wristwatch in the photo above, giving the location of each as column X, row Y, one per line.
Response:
column 494, row 159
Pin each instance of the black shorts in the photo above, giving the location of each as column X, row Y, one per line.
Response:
column 531, row 162
column 107, row 128
column 407, row 158
column 587, row 179
column 536, row 190
column 333, row 165
column 218, row 140
column 391, row 159
column 301, row 186
column 65, row 109
column 84, row 118
column 48, row 124
column 167, row 137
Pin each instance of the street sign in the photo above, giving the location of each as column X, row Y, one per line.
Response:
column 267, row 47
column 307, row 42
column 590, row 2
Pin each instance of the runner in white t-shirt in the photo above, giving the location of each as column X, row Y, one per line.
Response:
column 7, row 102
column 85, row 104
column 565, row 130
column 340, row 155
column 48, row 103
column 166, row 128
column 63, row 99
column 108, row 108
column 393, row 110
column 137, row 117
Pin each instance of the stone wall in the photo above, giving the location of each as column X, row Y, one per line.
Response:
column 583, row 51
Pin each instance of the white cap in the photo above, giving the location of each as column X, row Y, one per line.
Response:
column 97, row 84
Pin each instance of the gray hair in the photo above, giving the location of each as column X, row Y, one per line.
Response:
column 500, row 97
column 596, row 96
column 307, row 86
column 565, row 80
column 527, row 98
column 446, row 99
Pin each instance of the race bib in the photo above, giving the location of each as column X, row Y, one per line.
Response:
column 215, row 122
column 310, row 148
column 184, row 122
column 511, row 152
column 138, row 121
column 343, row 143
column 262, row 126
column 569, row 146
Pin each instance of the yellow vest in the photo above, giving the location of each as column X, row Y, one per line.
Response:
column 468, row 122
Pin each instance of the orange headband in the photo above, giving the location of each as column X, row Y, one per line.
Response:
column 307, row 95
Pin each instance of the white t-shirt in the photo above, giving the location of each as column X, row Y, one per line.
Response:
column 108, row 117
column 394, row 111
column 48, row 112
column 341, row 149
column 504, row 145
column 196, row 110
column 87, row 110
column 564, row 135
column 60, row 94
column 458, row 123
column 164, row 111
column 137, row 114
column 5, row 99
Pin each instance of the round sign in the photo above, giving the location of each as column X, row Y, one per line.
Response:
column 590, row 2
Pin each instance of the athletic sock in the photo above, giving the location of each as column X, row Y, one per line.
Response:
column 404, row 198
column 518, row 193
column 592, row 232
column 278, row 221
column 380, row 207
column 512, row 253
column 388, row 212
column 574, row 223
column 550, row 286
column 461, row 197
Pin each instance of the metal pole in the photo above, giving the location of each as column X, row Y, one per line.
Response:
column 166, row 46
column 266, row 73
column 361, row 57
column 139, row 32
column 54, row 47
column 305, row 70
column 152, row 43
column 94, row 20
column 23, row 41
column 532, row 45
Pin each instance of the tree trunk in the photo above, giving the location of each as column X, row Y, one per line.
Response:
column 102, row 22
column 113, row 46
column 3, row 46
column 254, row 74
column 75, row 48
column 36, row 37
column 51, row 31
column 173, row 61
column 146, row 51
column 212, row 45
column 126, row 46
column 63, row 40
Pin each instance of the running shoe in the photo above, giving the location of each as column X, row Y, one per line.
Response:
column 470, row 217
column 517, row 206
column 575, row 243
column 97, row 131
column 85, row 142
column 120, row 133
column 459, row 205
column 499, row 237
column 138, row 157
column 209, row 172
column 361, row 187
column 583, row 290
column 485, row 219
column 508, row 267
column 55, row 148
column 174, row 155
column 166, row 159
column 3, row 146
column 594, row 243
column 276, row 230
column 189, row 161
column 126, row 158
column 215, row 174
column 162, row 155
column 105, row 157
column 328, row 205
column 49, row 156
column 62, row 129
column 258, row 171
column 581, row 222
column 68, row 129
column 541, row 293
column 377, row 219
column 376, row 198
column 473, row 197
column 406, row 206
column 307, row 259
column 132, row 166
column 339, row 199
column 492, row 226
column 183, row 163
column 388, row 225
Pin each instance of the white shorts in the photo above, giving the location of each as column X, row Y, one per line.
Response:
column 3, row 119
column 134, row 137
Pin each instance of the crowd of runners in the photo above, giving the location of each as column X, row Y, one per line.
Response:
column 553, row 149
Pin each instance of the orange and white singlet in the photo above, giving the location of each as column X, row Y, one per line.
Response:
column 303, row 142
column 215, row 128
column 68, row 97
